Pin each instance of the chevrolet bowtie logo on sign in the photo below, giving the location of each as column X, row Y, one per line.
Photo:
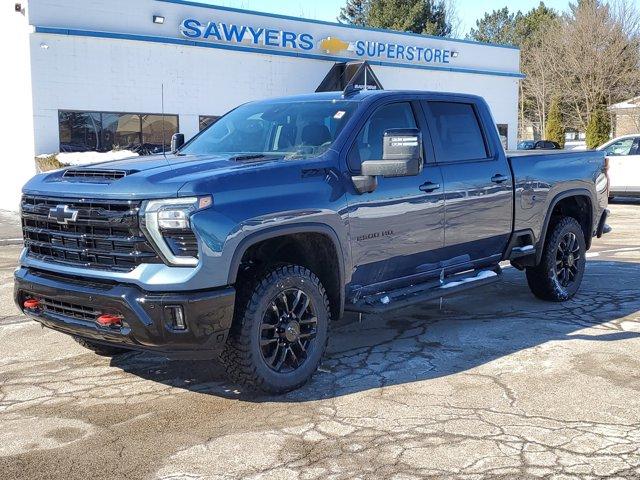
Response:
column 62, row 214
column 333, row 45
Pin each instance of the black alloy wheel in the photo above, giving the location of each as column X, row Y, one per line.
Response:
column 288, row 330
column 568, row 259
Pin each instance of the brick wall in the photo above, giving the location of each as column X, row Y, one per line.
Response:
column 626, row 122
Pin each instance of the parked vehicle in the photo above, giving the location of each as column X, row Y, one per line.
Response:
column 623, row 163
column 252, row 237
column 539, row 145
column 526, row 145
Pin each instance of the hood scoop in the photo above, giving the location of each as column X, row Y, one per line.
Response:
column 90, row 174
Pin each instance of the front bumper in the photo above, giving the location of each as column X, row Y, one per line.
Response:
column 72, row 302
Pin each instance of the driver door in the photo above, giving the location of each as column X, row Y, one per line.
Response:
column 397, row 231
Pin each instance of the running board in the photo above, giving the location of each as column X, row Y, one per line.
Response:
column 404, row 297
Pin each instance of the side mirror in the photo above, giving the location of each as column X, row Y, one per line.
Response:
column 401, row 157
column 401, row 154
column 177, row 140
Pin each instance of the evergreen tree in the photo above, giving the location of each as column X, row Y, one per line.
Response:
column 418, row 16
column 498, row 26
column 528, row 25
column 554, row 129
column 355, row 12
column 598, row 127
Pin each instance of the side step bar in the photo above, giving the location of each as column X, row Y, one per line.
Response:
column 403, row 297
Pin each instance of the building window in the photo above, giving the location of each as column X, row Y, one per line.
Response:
column 503, row 131
column 144, row 133
column 206, row 120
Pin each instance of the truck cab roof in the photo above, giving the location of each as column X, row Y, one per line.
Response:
column 362, row 95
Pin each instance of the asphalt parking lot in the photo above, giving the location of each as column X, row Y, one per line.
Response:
column 490, row 384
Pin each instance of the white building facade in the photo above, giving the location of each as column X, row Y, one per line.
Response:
column 96, row 74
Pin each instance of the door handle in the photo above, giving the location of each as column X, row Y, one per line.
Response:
column 429, row 187
column 499, row 178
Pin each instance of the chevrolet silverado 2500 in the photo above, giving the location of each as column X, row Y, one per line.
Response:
column 246, row 242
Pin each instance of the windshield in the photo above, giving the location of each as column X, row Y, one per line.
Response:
column 291, row 130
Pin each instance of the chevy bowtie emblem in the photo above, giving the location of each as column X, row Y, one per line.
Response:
column 62, row 214
column 333, row 45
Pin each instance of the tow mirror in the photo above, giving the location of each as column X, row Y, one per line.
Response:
column 401, row 157
column 177, row 140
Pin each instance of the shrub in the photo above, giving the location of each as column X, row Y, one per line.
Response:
column 554, row 129
column 45, row 163
column 598, row 127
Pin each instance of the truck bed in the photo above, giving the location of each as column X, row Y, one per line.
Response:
column 541, row 176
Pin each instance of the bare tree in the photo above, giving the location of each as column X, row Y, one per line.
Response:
column 593, row 55
column 453, row 17
column 540, row 85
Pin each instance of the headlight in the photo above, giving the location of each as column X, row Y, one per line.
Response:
column 167, row 223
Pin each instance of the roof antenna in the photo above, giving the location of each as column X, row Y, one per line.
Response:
column 162, row 107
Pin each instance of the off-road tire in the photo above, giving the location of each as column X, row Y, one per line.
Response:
column 243, row 357
column 99, row 349
column 543, row 279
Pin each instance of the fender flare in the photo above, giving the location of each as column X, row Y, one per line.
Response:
column 282, row 231
column 576, row 192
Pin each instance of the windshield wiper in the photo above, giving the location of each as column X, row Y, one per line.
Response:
column 254, row 156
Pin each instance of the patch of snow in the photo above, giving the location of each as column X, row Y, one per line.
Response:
column 87, row 158
column 480, row 276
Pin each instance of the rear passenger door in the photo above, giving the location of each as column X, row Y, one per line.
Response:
column 477, row 181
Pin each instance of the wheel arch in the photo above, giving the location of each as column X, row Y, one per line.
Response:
column 287, row 233
column 559, row 201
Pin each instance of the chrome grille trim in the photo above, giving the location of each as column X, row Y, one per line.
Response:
column 105, row 234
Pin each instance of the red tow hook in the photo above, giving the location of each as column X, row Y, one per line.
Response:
column 31, row 303
column 109, row 320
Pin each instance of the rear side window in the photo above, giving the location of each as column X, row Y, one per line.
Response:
column 456, row 132
column 368, row 144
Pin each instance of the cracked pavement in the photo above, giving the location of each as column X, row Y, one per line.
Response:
column 489, row 384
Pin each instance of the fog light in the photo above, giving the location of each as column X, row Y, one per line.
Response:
column 109, row 320
column 31, row 303
column 176, row 315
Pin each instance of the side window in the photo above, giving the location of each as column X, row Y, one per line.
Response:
column 368, row 144
column 621, row 147
column 456, row 132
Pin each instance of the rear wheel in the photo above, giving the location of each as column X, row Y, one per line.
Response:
column 558, row 276
column 280, row 331
column 99, row 349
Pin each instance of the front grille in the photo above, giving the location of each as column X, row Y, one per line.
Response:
column 105, row 234
column 69, row 310
column 94, row 174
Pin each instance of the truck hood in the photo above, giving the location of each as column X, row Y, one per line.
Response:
column 154, row 176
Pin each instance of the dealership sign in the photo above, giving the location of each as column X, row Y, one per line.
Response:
column 226, row 33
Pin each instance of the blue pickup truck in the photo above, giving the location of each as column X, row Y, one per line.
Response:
column 246, row 242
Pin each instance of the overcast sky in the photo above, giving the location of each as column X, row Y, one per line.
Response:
column 468, row 10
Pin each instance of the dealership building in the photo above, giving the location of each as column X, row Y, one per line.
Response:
column 102, row 75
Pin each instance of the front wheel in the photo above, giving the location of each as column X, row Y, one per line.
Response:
column 558, row 276
column 280, row 331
